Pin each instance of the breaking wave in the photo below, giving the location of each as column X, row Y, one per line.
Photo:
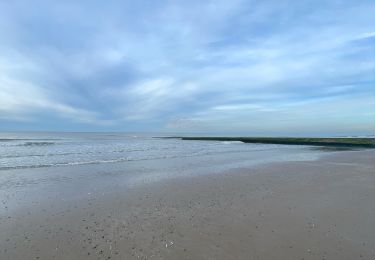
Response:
column 36, row 143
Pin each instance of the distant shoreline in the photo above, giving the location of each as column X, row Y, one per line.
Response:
column 331, row 142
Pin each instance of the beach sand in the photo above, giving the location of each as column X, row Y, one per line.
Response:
column 323, row 209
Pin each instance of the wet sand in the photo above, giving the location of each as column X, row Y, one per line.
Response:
column 322, row 209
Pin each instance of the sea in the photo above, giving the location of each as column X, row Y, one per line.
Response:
column 23, row 150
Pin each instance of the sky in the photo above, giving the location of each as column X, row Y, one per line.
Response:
column 257, row 67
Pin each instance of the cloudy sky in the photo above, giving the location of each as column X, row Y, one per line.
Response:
column 268, row 67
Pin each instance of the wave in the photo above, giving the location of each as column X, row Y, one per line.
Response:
column 72, row 153
column 83, row 153
column 36, row 144
column 26, row 139
column 125, row 159
column 69, row 163
column 7, row 140
column 38, row 155
column 232, row 142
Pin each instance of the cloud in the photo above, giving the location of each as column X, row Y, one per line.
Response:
column 150, row 98
column 317, row 117
column 164, row 64
column 21, row 100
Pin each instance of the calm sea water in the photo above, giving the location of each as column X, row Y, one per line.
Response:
column 34, row 150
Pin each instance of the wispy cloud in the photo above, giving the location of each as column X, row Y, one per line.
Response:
column 22, row 101
column 189, row 66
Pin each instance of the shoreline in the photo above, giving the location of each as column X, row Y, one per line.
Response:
column 324, row 142
column 285, row 210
